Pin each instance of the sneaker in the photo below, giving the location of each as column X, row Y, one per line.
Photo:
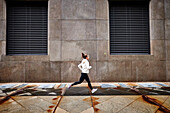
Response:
column 69, row 86
column 93, row 90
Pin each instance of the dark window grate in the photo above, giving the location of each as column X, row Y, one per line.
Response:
column 27, row 28
column 129, row 27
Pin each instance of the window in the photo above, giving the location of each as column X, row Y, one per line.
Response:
column 27, row 23
column 129, row 27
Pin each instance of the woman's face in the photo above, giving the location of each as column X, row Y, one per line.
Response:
column 87, row 57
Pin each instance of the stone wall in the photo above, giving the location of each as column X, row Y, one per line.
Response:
column 77, row 26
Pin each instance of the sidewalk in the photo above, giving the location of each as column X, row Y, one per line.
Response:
column 113, row 97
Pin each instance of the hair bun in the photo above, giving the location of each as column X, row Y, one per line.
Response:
column 84, row 55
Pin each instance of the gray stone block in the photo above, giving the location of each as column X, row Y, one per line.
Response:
column 3, row 47
column 55, row 50
column 37, row 71
column 92, row 73
column 55, row 9
column 1, row 9
column 71, row 50
column 167, row 9
column 167, row 29
column 25, row 58
column 12, row 72
column 78, row 30
column 102, row 74
column 167, row 49
column 102, row 29
column 3, row 30
column 78, row 9
column 157, row 29
column 157, row 9
column 54, row 30
column 13, row 58
column 102, row 50
column 102, row 9
column 168, row 71
column 35, row 57
column 149, row 70
column 0, row 49
column 70, row 71
column 55, row 72
column 158, row 49
column 119, row 71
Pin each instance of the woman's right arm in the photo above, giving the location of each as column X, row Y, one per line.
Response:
column 80, row 66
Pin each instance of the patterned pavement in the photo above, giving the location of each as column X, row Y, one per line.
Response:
column 113, row 97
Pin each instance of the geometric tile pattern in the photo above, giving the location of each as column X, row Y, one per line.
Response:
column 79, row 103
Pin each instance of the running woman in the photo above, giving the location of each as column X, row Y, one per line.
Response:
column 84, row 67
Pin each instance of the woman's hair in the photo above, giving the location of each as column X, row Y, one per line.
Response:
column 84, row 56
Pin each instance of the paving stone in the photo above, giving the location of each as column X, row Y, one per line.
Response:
column 56, row 86
column 25, row 94
column 50, row 99
column 141, row 105
column 62, row 85
column 148, row 85
column 77, row 105
column 167, row 103
column 90, row 110
column 34, row 104
column 115, row 104
column 101, row 99
column 159, row 112
column 11, row 106
column 108, row 86
column 5, row 86
column 46, row 86
column 162, row 84
column 123, row 85
column 59, row 110
column 52, row 93
column 130, row 109
column 2, row 94
column 20, row 86
column 160, row 98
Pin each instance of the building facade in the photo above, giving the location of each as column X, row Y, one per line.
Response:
column 76, row 26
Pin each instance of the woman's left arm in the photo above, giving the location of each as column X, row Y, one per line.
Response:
column 87, row 65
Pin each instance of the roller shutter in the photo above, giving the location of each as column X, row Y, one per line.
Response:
column 129, row 27
column 27, row 26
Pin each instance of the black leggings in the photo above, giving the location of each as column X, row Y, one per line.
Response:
column 83, row 76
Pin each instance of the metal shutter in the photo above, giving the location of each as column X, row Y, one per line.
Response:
column 129, row 27
column 27, row 24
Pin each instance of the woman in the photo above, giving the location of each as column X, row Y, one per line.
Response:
column 84, row 67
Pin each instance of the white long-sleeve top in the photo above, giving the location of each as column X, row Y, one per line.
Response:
column 84, row 66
